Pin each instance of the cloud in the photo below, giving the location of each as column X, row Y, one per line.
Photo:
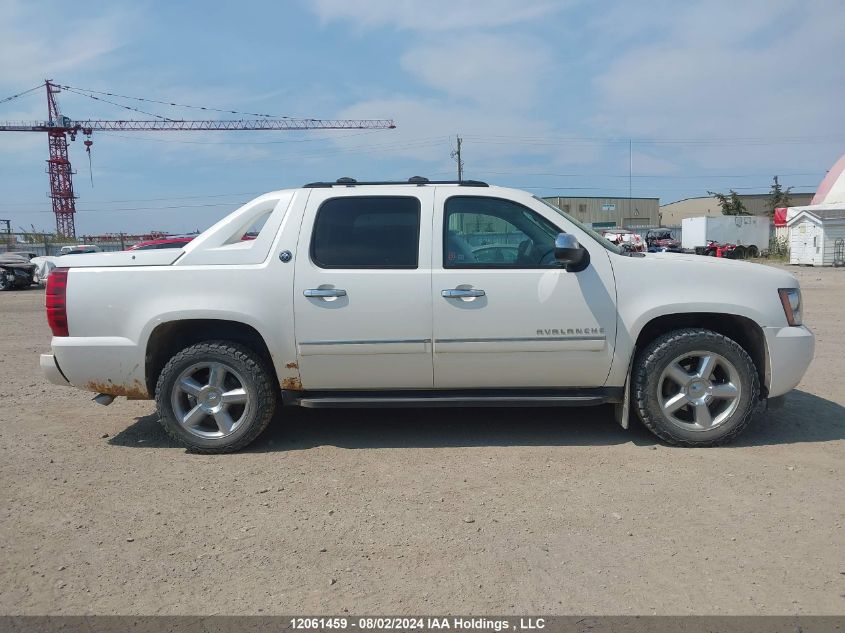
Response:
column 493, row 71
column 426, row 131
column 32, row 48
column 477, row 78
column 773, row 74
column 433, row 15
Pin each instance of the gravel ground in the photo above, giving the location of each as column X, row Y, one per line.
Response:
column 461, row 511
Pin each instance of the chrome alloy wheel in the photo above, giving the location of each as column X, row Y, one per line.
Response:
column 699, row 390
column 210, row 400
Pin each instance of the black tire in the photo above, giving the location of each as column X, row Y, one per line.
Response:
column 739, row 252
column 753, row 251
column 5, row 283
column 648, row 381
column 710, row 252
column 249, row 370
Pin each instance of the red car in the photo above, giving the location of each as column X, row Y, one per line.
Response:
column 166, row 242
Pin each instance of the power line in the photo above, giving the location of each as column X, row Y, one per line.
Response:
column 763, row 187
column 178, row 105
column 410, row 144
column 160, row 208
column 673, row 176
column 557, row 140
column 213, row 195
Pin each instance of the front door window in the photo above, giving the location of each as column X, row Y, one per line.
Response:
column 482, row 232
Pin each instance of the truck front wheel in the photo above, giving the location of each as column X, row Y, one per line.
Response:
column 215, row 397
column 695, row 387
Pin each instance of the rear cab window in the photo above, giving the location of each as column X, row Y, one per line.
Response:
column 367, row 232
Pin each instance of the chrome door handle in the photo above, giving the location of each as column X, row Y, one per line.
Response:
column 324, row 292
column 460, row 293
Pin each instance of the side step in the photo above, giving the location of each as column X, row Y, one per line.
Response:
column 452, row 398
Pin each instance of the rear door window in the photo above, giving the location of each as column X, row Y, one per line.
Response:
column 367, row 232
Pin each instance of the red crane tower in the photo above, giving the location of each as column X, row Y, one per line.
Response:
column 59, row 128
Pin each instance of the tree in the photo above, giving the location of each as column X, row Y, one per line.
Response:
column 35, row 236
column 778, row 196
column 731, row 204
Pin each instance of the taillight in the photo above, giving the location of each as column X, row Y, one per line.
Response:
column 57, row 301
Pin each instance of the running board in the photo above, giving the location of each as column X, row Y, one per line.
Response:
column 451, row 398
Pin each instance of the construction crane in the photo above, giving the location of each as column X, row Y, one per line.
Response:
column 59, row 127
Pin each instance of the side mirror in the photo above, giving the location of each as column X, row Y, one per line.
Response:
column 570, row 254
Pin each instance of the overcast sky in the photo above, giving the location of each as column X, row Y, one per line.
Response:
column 546, row 95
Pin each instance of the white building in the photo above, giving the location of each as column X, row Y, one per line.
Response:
column 817, row 231
column 813, row 232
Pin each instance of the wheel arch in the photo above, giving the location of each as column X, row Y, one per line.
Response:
column 170, row 337
column 745, row 331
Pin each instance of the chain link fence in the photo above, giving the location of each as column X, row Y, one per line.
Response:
column 51, row 244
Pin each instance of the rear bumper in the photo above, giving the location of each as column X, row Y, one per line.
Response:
column 110, row 365
column 51, row 370
column 790, row 351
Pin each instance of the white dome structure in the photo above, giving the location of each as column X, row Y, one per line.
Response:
column 832, row 188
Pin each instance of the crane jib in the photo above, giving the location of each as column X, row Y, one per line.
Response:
column 155, row 125
column 59, row 127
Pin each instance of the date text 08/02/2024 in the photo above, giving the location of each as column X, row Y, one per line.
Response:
column 418, row 623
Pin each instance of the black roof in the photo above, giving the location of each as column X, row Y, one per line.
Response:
column 414, row 180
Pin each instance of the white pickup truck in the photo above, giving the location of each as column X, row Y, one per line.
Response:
column 421, row 293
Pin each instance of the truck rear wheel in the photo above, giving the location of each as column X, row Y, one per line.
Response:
column 695, row 387
column 215, row 397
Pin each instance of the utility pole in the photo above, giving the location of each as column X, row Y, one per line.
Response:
column 630, row 174
column 630, row 166
column 456, row 154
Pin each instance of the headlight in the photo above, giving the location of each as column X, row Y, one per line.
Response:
column 791, row 300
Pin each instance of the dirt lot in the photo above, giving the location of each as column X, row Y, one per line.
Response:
column 462, row 511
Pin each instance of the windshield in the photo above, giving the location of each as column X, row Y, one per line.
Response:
column 598, row 238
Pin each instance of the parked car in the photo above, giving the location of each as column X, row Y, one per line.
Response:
column 167, row 242
column 80, row 249
column 44, row 265
column 661, row 240
column 369, row 295
column 628, row 240
column 28, row 255
column 16, row 271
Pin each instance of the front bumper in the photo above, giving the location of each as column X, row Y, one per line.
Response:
column 790, row 351
column 52, row 372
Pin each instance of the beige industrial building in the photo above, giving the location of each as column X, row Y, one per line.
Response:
column 600, row 212
column 757, row 204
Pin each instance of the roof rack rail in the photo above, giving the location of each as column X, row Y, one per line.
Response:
column 413, row 180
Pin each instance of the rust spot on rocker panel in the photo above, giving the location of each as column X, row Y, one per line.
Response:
column 292, row 365
column 135, row 391
column 292, row 384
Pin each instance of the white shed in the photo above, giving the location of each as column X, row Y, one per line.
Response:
column 817, row 234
